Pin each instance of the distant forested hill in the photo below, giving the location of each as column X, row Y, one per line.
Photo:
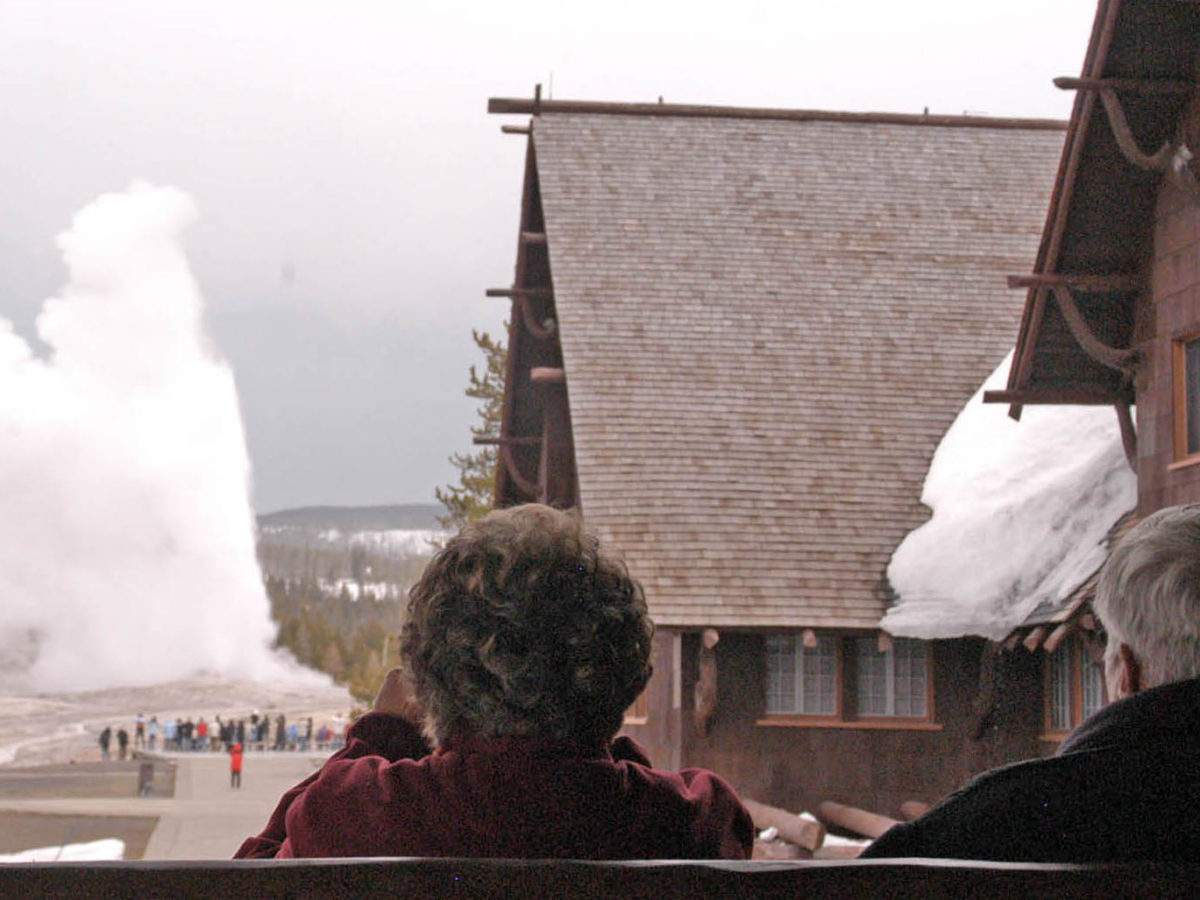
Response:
column 398, row 517
column 338, row 579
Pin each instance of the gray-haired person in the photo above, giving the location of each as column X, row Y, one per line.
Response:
column 1125, row 784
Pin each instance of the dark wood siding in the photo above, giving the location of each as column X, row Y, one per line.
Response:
column 797, row 767
column 1170, row 312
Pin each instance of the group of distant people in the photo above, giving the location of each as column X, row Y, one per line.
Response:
column 184, row 735
column 525, row 642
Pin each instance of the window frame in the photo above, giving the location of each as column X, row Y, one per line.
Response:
column 1075, row 645
column 838, row 678
column 846, row 690
column 887, row 717
column 1179, row 396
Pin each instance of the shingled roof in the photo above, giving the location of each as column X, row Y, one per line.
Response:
column 766, row 326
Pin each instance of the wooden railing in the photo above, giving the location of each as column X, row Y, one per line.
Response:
column 451, row 878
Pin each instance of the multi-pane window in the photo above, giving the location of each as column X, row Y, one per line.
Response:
column 1060, row 688
column 1074, row 685
column 1092, row 678
column 1187, row 398
column 891, row 682
column 802, row 680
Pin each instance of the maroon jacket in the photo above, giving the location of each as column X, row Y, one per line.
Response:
column 513, row 797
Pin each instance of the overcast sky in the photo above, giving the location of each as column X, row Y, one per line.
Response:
column 355, row 198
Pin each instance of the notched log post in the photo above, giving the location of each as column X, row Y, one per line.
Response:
column 706, row 684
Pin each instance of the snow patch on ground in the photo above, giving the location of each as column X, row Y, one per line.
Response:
column 1020, row 514
column 92, row 851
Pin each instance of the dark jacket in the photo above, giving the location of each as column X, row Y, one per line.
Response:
column 385, row 795
column 1124, row 786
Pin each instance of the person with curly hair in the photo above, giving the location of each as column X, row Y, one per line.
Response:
column 524, row 644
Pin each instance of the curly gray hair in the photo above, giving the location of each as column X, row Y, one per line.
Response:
column 524, row 625
column 1148, row 595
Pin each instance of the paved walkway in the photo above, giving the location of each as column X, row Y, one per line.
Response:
column 206, row 819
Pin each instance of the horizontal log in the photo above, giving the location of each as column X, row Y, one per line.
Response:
column 534, row 293
column 1127, row 85
column 1079, row 397
column 533, row 237
column 515, row 129
column 806, row 833
column 483, row 441
column 1079, row 282
column 507, row 105
column 547, row 375
column 1057, row 636
column 862, row 821
column 913, row 809
column 1034, row 638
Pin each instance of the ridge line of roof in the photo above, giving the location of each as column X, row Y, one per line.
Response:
column 504, row 105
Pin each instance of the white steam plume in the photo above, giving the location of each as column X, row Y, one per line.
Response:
column 126, row 531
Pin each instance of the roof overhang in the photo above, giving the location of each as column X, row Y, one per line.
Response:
column 1097, row 241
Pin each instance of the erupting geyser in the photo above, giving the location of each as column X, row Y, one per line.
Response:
column 126, row 528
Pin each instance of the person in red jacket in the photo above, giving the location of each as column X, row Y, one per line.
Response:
column 525, row 642
column 235, row 765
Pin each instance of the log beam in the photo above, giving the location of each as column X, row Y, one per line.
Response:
column 795, row 829
column 1126, row 85
column 547, row 375
column 1081, row 397
column 1110, row 357
column 526, row 487
column 852, row 818
column 533, row 293
column 516, row 129
column 705, row 693
column 913, row 809
column 1034, row 638
column 1080, row 282
column 1057, row 636
column 537, row 238
column 1129, row 439
column 527, row 441
column 1060, row 287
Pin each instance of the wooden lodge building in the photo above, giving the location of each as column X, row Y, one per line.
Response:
column 737, row 337
column 1112, row 312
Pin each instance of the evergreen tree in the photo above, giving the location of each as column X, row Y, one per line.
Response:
column 472, row 497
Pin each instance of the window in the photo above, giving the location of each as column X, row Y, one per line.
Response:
column 802, row 680
column 843, row 681
column 1074, row 685
column 892, row 682
column 1187, row 398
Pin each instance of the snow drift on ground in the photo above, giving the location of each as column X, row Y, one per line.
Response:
column 126, row 530
column 91, row 851
column 1020, row 514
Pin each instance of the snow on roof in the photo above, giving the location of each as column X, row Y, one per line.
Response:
column 1020, row 515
